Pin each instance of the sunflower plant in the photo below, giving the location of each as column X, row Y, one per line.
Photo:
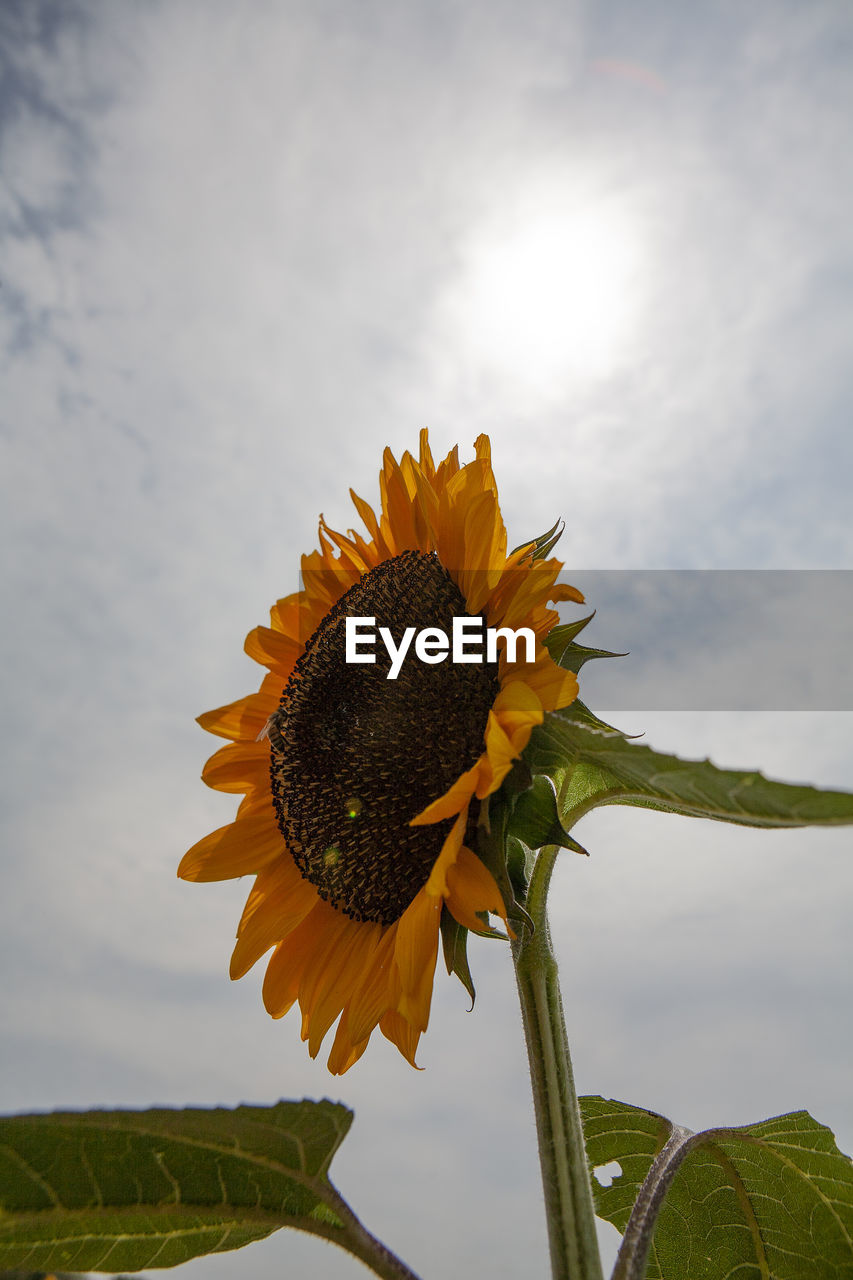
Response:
column 392, row 803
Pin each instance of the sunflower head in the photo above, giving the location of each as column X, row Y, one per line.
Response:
column 360, row 764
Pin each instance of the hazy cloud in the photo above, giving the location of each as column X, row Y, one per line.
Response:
column 246, row 247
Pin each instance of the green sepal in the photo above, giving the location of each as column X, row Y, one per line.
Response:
column 518, row 780
column 495, row 854
column 545, row 543
column 520, row 860
column 535, row 819
column 454, row 944
column 560, row 636
column 560, row 643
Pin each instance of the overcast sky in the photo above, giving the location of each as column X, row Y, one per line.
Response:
column 244, row 248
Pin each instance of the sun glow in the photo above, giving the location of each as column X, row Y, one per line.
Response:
column 549, row 295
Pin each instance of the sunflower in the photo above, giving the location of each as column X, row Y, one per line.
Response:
column 358, row 819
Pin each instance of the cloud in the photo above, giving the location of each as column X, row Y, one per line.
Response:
column 231, row 235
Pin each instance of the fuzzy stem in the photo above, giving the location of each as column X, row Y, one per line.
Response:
column 637, row 1241
column 568, row 1196
column 359, row 1241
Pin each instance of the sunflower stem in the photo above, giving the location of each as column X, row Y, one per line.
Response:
column 565, row 1176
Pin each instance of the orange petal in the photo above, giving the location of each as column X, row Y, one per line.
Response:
column 347, row 546
column 326, row 580
column 453, row 801
column 241, row 848
column 485, row 551
column 278, row 903
column 241, row 766
column 524, row 588
column 446, row 469
column 455, row 505
column 345, row 1052
column 472, row 889
column 517, row 704
column 564, row 592
column 427, row 508
column 396, row 1029
column 415, row 952
column 500, row 753
column 243, row 720
column 273, row 649
column 398, row 515
column 331, row 974
column 297, row 616
column 436, row 885
column 553, row 686
column 330, row 977
column 377, row 991
column 288, row 961
column 371, row 524
column 427, row 464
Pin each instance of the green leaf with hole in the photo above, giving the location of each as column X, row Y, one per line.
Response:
column 769, row 1200
column 588, row 763
column 127, row 1190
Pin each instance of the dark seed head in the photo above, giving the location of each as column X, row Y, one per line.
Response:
column 362, row 754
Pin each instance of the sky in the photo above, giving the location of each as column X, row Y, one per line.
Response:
column 244, row 248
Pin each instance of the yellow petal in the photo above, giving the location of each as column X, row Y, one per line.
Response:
column 240, row 767
column 278, row 903
column 472, row 889
column 485, row 550
column 401, row 1033
column 245, row 719
column 288, row 961
column 446, row 469
column 436, row 885
column 345, row 1052
column 241, row 848
column 273, row 649
column 326, row 580
column 500, row 753
column 377, row 991
column 296, row 616
column 415, row 952
column 516, row 706
column 452, row 802
column 564, row 592
column 398, row 514
column 483, row 449
column 427, row 464
column 553, row 686
column 370, row 523
column 350, row 552
column 330, row 976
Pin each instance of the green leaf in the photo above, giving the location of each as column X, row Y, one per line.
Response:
column 127, row 1190
column 44, row 1275
column 590, row 763
column 773, row 1199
